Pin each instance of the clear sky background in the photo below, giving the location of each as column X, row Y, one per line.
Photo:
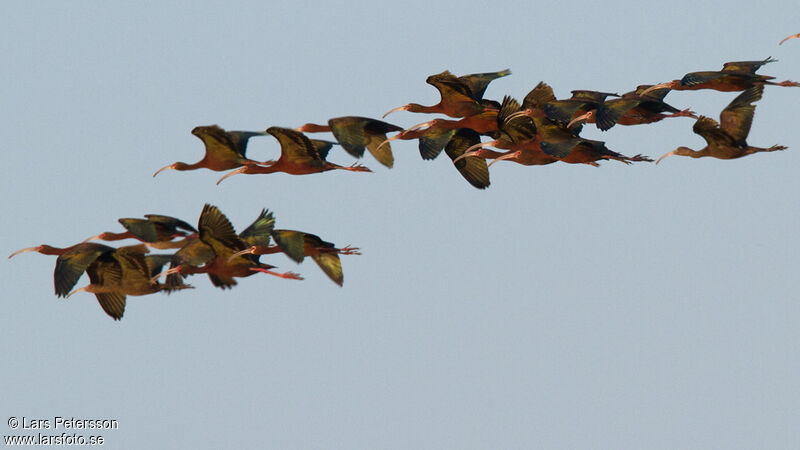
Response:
column 566, row 306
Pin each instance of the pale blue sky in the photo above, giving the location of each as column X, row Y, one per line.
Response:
column 564, row 307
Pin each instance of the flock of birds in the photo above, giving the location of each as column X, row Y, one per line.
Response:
column 541, row 130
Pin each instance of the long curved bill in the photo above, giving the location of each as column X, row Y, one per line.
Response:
column 657, row 86
column 664, row 156
column 83, row 289
column 171, row 166
column 578, row 119
column 24, row 250
column 466, row 154
column 250, row 251
column 524, row 112
column 506, row 156
column 399, row 108
column 232, row 173
column 387, row 141
column 418, row 126
column 789, row 37
column 176, row 269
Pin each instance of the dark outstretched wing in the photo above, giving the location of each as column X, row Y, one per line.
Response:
column 519, row 129
column 748, row 67
column 451, row 88
column 291, row 242
column 141, row 228
column 259, row 231
column 608, row 113
column 331, row 265
column 473, row 168
column 433, row 141
column 295, row 145
column 216, row 229
column 709, row 129
column 478, row 82
column 71, row 265
column 349, row 133
column 170, row 222
column 218, row 143
column 195, row 253
column 695, row 78
column 737, row 117
column 538, row 96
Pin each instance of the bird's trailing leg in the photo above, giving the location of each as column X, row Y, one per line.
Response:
column 774, row 148
column 288, row 275
column 785, row 83
column 348, row 250
column 355, row 167
column 684, row 113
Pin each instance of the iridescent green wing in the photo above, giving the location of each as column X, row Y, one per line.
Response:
column 258, row 233
column 331, row 265
column 349, row 133
column 291, row 242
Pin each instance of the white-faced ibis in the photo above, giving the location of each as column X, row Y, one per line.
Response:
column 72, row 261
column 355, row 134
column 211, row 252
column 634, row 108
column 734, row 76
column 579, row 104
column 297, row 245
column 483, row 122
column 728, row 139
column 155, row 230
column 460, row 96
column 124, row 271
column 225, row 150
column 789, row 37
column 298, row 157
